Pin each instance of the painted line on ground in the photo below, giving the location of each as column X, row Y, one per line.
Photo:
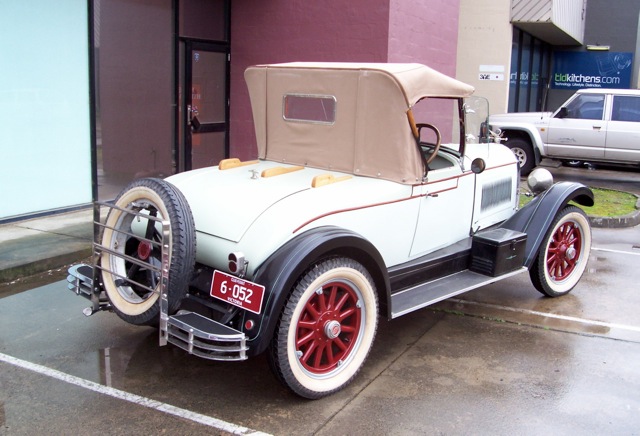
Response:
column 550, row 315
column 614, row 251
column 132, row 398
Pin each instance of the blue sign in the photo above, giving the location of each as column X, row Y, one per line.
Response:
column 591, row 69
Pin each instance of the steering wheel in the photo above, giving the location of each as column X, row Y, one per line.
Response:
column 435, row 146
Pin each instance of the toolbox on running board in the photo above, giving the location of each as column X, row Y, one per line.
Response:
column 497, row 251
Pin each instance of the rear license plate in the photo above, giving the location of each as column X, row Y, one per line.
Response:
column 241, row 293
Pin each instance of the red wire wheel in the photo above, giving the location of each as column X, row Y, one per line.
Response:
column 326, row 329
column 564, row 253
column 329, row 327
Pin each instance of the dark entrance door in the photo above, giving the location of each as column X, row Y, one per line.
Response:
column 206, row 107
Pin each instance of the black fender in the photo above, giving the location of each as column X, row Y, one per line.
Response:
column 536, row 154
column 536, row 217
column 280, row 272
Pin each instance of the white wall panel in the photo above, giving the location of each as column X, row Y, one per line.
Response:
column 45, row 148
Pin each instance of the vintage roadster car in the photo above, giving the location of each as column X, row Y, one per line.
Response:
column 352, row 211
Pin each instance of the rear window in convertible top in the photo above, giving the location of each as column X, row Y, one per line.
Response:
column 320, row 109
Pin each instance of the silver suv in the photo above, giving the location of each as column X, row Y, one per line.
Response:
column 596, row 125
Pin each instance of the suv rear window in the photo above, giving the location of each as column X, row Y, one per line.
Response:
column 625, row 108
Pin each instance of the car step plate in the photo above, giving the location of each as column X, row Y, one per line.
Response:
column 440, row 289
column 205, row 338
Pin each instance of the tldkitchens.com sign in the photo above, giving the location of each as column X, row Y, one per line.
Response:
column 575, row 70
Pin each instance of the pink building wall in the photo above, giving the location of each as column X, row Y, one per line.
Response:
column 270, row 31
column 425, row 32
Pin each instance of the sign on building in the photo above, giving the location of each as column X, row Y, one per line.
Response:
column 577, row 70
column 491, row 72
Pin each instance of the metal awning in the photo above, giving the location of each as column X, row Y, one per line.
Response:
column 557, row 22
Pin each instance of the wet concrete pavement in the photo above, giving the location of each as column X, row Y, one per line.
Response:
column 471, row 376
column 501, row 359
column 498, row 360
column 605, row 302
column 37, row 245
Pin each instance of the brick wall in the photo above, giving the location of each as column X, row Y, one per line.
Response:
column 270, row 31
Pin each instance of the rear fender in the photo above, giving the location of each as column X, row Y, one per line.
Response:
column 282, row 269
column 536, row 217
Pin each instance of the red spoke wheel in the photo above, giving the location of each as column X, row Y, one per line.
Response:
column 564, row 253
column 327, row 328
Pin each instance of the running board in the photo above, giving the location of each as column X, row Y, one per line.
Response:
column 440, row 289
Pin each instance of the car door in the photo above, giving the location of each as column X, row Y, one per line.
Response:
column 578, row 130
column 623, row 131
column 446, row 209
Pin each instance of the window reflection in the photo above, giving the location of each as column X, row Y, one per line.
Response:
column 626, row 108
column 134, row 77
column 586, row 107
column 530, row 64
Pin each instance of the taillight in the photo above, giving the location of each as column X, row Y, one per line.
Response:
column 237, row 264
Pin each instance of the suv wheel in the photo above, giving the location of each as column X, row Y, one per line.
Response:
column 573, row 163
column 524, row 153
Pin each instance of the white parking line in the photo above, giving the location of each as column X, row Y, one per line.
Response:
column 132, row 398
column 614, row 251
column 549, row 315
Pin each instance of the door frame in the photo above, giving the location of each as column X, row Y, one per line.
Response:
column 191, row 45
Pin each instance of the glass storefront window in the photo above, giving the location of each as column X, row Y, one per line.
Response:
column 530, row 63
column 203, row 19
column 133, row 50
column 534, row 94
column 513, row 75
column 140, row 104
column 524, row 73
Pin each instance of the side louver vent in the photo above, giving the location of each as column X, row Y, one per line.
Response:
column 496, row 193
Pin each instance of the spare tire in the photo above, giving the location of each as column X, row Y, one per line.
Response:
column 131, row 242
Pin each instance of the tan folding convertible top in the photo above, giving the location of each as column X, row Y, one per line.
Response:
column 371, row 135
